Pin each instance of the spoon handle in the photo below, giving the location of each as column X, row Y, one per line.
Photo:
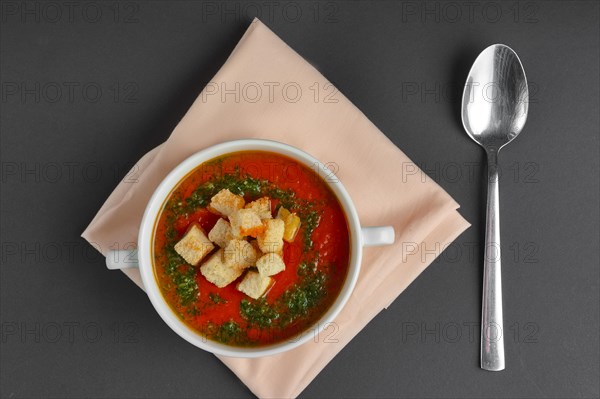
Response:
column 492, row 337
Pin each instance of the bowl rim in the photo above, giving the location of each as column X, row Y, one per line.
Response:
column 145, row 248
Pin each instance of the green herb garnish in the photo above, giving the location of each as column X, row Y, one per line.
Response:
column 258, row 312
column 227, row 333
column 216, row 298
column 183, row 277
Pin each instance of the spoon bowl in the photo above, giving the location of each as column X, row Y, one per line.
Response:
column 495, row 99
column 494, row 110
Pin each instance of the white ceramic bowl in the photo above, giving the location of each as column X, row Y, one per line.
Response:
column 142, row 257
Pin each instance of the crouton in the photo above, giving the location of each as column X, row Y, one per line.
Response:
column 221, row 233
column 271, row 240
column 262, row 207
column 270, row 264
column 254, row 285
column 239, row 254
column 245, row 222
column 194, row 245
column 225, row 203
column 217, row 272
column 254, row 244
column 291, row 222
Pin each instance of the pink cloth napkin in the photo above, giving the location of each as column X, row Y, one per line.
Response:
column 266, row 90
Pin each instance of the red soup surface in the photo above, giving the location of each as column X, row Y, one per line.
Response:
column 316, row 261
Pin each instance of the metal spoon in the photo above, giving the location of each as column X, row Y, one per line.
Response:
column 494, row 110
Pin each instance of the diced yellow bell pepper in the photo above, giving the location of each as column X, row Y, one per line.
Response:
column 291, row 223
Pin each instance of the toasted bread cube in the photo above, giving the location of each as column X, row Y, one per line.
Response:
column 217, row 272
column 292, row 224
column 245, row 222
column 240, row 254
column 225, row 203
column 262, row 207
column 271, row 240
column 221, row 234
column 270, row 264
column 254, row 285
column 194, row 245
column 254, row 244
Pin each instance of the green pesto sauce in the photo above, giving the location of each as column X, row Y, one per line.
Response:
column 311, row 221
column 216, row 298
column 183, row 277
column 258, row 312
column 227, row 333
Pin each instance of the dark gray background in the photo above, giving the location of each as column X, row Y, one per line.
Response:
column 71, row 328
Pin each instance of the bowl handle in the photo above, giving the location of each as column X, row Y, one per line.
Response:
column 377, row 235
column 122, row 259
column 371, row 236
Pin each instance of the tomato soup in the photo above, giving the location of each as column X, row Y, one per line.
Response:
column 316, row 261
